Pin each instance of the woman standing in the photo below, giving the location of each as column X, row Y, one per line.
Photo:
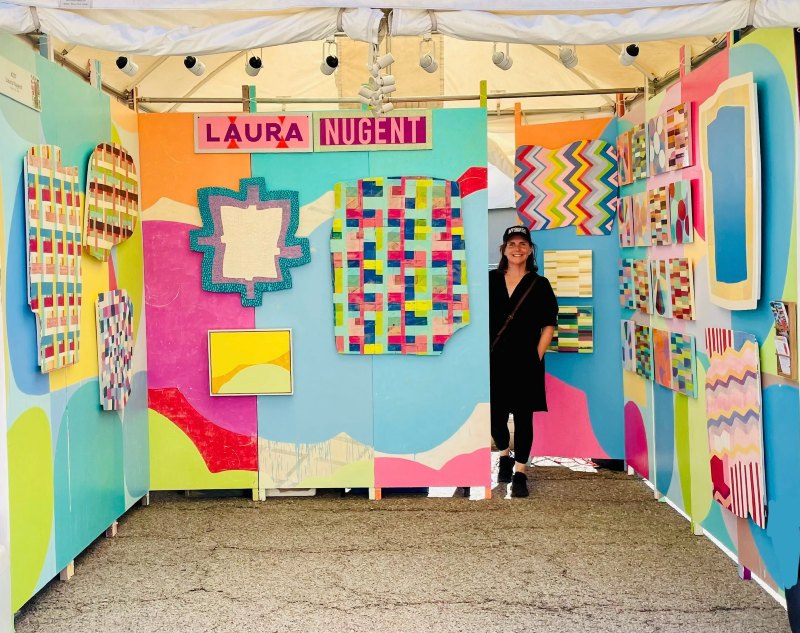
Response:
column 523, row 313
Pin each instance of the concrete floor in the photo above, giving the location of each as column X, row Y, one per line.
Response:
column 586, row 552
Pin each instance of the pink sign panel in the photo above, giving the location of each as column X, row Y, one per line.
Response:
column 252, row 133
column 361, row 131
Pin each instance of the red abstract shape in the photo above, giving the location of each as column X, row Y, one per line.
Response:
column 221, row 449
column 472, row 180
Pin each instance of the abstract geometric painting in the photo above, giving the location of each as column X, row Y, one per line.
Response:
column 112, row 200
column 730, row 159
column 574, row 331
column 641, row 219
column 657, row 145
column 626, row 299
column 641, row 285
column 53, row 225
column 735, row 431
column 248, row 239
column 644, row 353
column 624, row 158
column 684, row 365
column 681, row 286
column 639, row 152
column 114, row 347
column 661, row 301
column 625, row 222
column 569, row 272
column 680, row 212
column 679, row 137
column 658, row 208
column 662, row 363
column 250, row 362
column 627, row 331
column 575, row 185
column 399, row 265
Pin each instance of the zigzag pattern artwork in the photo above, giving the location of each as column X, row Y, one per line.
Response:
column 735, row 430
column 575, row 185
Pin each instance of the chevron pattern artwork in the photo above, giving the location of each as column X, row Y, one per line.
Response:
column 641, row 285
column 639, row 152
column 735, row 431
column 573, row 333
column 627, row 332
column 569, row 272
column 644, row 351
column 114, row 348
column 627, row 235
column 626, row 299
column 575, row 185
column 658, row 210
column 679, row 137
column 624, row 158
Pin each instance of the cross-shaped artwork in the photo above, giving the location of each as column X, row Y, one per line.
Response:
column 569, row 272
column 657, row 145
column 681, row 284
column 575, row 185
column 574, row 330
column 658, row 207
column 399, row 265
column 680, row 212
column 641, row 285
column 679, row 137
column 641, row 220
column 639, row 152
column 248, row 239
column 626, row 299
column 624, row 158
column 644, row 354
column 625, row 222
column 112, row 200
column 627, row 332
column 114, row 348
column 53, row 224
column 661, row 300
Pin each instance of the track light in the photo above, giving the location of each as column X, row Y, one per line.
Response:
column 427, row 61
column 194, row 65
column 500, row 59
column 568, row 56
column 330, row 59
column 383, row 108
column 127, row 66
column 252, row 67
column 629, row 54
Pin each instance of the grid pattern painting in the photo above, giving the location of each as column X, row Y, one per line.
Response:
column 680, row 212
column 399, row 265
column 660, row 226
column 112, row 200
column 569, row 272
column 679, row 137
column 627, row 334
column 574, row 330
column 624, row 158
column 626, row 299
column 639, row 152
column 53, row 225
column 641, row 285
column 657, row 145
column 644, row 353
column 681, row 288
column 625, row 222
column 684, row 365
column 114, row 348
column 661, row 300
column 641, row 220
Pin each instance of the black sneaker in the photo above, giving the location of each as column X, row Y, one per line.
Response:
column 505, row 469
column 519, row 485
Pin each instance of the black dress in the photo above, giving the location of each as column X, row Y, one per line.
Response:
column 516, row 372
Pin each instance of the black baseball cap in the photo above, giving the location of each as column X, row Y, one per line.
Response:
column 517, row 231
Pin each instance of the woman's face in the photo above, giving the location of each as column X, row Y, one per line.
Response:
column 517, row 250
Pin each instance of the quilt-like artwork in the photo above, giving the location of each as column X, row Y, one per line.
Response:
column 639, row 152
column 684, row 363
column 399, row 265
column 569, row 272
column 681, row 283
column 627, row 333
column 661, row 301
column 114, row 347
column 679, row 137
column 53, row 226
column 680, row 212
column 574, row 330
column 624, row 158
column 625, row 222
column 660, row 226
column 626, row 298
column 644, row 351
column 641, row 285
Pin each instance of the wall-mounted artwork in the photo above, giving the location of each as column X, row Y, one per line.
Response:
column 661, row 300
column 639, row 152
column 575, row 185
column 248, row 239
column 662, row 362
column 657, row 145
column 250, row 362
column 628, row 337
column 644, row 354
column 569, row 272
column 679, row 137
column 625, row 222
column 679, row 195
column 399, row 265
column 684, row 364
column 681, row 283
column 658, row 210
column 641, row 285
column 114, row 348
column 112, row 200
column 735, row 431
column 624, row 158
column 626, row 298
column 730, row 159
column 53, row 225
column 641, row 219
column 574, row 330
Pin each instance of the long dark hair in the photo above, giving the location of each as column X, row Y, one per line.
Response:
column 530, row 263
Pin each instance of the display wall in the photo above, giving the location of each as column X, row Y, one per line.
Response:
column 73, row 467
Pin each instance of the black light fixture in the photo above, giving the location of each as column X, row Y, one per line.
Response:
column 127, row 66
column 629, row 54
column 253, row 65
column 330, row 57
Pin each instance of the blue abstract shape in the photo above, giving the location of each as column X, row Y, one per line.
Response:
column 664, row 411
column 714, row 523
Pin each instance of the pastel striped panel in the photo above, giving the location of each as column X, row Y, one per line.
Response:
column 114, row 347
column 735, row 431
column 399, row 265
column 112, row 200
column 575, row 185
column 53, row 225
column 574, row 332
column 569, row 272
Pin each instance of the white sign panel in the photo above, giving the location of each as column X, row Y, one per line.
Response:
column 20, row 85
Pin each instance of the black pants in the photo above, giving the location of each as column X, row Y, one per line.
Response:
column 793, row 606
column 523, row 431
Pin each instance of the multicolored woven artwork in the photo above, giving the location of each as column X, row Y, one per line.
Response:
column 248, row 239
column 625, row 222
column 114, row 347
column 684, row 365
column 644, row 354
column 575, row 185
column 679, row 137
column 112, row 200
column 679, row 195
column 661, row 301
column 627, row 332
column 641, row 220
column 681, row 285
column 735, row 431
column 641, row 285
column 574, row 330
column 624, row 158
column 662, row 361
column 53, row 225
column 626, row 299
column 250, row 362
column 658, row 210
column 657, row 145
column 399, row 265
column 569, row 272
column 639, row 152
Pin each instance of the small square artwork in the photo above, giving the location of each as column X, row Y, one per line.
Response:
column 641, row 285
column 657, row 145
column 625, row 222
column 680, row 211
column 624, row 158
column 569, row 272
column 660, row 228
column 679, row 137
column 661, row 301
column 641, row 220
column 250, row 362
column 574, row 331
column 681, row 288
column 639, row 152
column 627, row 332
column 662, row 362
column 114, row 348
column 644, row 354
column 684, row 365
column 626, row 298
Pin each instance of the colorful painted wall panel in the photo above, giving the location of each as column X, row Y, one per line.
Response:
column 658, row 210
column 627, row 332
column 660, row 287
column 53, row 223
column 644, row 351
column 641, row 220
column 681, row 285
column 639, row 152
column 657, row 145
column 641, row 285
column 114, row 311
column 626, row 298
column 250, row 362
column 575, row 185
column 398, row 256
column 624, row 158
column 679, row 137
column 574, row 332
column 662, row 362
column 569, row 272
column 684, row 363
column 679, row 194
column 112, row 200
column 627, row 233
column 730, row 158
column 735, row 432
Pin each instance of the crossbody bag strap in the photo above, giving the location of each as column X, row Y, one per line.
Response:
column 510, row 317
